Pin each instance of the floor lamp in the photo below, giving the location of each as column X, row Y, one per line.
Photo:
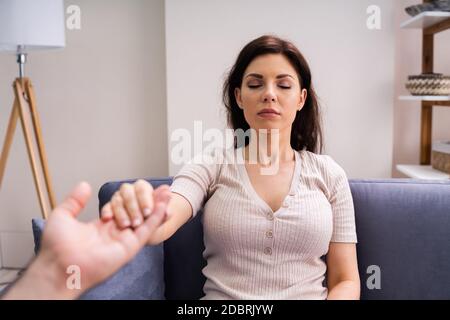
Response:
column 25, row 26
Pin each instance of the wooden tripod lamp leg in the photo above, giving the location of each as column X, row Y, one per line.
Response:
column 18, row 90
column 8, row 139
column 37, row 131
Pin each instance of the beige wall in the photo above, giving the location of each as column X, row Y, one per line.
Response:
column 102, row 107
column 408, row 61
column 353, row 68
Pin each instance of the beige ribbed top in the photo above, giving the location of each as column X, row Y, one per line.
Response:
column 253, row 252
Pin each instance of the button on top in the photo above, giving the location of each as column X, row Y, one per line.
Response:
column 270, row 216
column 269, row 234
column 268, row 251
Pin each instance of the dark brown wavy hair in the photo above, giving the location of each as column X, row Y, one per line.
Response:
column 306, row 128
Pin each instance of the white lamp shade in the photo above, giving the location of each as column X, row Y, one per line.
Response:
column 28, row 25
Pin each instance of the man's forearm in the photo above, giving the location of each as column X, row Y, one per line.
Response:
column 43, row 280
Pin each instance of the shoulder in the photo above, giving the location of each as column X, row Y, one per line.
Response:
column 324, row 169
column 209, row 156
column 324, row 166
column 206, row 164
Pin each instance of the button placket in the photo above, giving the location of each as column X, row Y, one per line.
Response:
column 268, row 235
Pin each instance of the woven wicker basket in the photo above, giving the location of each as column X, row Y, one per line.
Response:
column 429, row 84
column 440, row 156
column 435, row 5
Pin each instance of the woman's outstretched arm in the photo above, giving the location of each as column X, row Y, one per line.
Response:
column 179, row 211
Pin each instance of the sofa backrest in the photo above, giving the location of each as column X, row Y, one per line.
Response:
column 403, row 229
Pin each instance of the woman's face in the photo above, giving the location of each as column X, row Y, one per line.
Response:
column 270, row 95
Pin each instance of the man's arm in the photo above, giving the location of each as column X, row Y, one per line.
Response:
column 68, row 242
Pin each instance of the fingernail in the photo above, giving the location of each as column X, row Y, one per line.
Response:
column 107, row 214
column 147, row 212
column 136, row 222
column 126, row 222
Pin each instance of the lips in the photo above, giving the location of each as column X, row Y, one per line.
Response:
column 269, row 111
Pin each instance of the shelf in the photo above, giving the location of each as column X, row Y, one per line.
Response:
column 425, row 20
column 422, row 172
column 425, row 98
column 437, row 101
column 431, row 23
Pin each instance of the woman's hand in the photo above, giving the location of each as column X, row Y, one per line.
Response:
column 132, row 203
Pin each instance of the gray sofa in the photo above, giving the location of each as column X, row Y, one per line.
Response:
column 403, row 229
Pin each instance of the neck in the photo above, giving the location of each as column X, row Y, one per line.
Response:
column 270, row 146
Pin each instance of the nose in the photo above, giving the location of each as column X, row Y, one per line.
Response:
column 269, row 95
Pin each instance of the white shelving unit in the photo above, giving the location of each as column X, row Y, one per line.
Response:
column 422, row 172
column 424, row 98
column 425, row 20
column 431, row 23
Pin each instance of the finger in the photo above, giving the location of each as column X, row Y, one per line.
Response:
column 106, row 212
column 75, row 201
column 128, row 193
column 144, row 195
column 144, row 232
column 119, row 212
column 134, row 240
column 163, row 195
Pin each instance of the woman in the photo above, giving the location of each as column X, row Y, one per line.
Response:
column 266, row 235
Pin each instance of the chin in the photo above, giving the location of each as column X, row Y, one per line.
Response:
column 267, row 126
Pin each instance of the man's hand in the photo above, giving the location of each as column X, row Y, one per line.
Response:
column 97, row 249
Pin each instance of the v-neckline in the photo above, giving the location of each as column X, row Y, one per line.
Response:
column 251, row 190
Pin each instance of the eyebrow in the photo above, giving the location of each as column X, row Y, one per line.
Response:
column 259, row 76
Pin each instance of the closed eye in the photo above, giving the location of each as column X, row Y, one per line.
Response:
column 257, row 86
